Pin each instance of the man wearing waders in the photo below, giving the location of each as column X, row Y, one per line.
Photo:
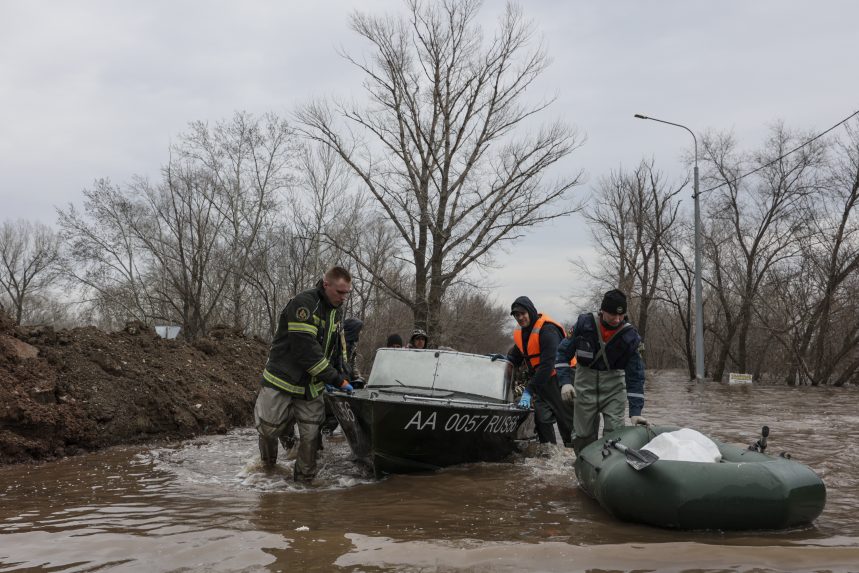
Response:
column 609, row 371
column 299, row 368
column 536, row 344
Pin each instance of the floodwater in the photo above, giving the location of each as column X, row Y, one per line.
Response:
column 204, row 505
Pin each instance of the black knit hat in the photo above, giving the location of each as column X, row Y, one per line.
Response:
column 614, row 301
column 394, row 339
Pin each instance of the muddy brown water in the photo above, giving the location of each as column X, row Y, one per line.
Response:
column 204, row 505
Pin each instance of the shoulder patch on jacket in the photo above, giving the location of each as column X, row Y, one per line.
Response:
column 302, row 313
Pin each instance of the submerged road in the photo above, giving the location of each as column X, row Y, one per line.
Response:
column 204, row 505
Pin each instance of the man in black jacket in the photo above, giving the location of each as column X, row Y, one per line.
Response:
column 536, row 344
column 349, row 359
column 609, row 371
column 299, row 368
column 345, row 360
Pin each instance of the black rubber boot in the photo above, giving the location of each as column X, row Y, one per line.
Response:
column 545, row 433
column 268, row 451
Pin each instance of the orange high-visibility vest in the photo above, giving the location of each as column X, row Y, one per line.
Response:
column 532, row 353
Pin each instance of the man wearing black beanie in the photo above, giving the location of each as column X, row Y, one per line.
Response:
column 609, row 370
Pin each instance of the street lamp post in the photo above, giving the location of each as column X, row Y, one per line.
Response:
column 699, row 303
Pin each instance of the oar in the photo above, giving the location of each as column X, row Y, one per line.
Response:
column 638, row 459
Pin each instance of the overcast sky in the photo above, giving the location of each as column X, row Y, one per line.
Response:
column 93, row 89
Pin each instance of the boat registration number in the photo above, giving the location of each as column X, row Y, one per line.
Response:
column 496, row 424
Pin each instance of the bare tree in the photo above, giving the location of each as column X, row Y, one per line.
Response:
column 28, row 257
column 631, row 219
column 814, row 293
column 287, row 262
column 249, row 160
column 437, row 148
column 151, row 251
column 837, row 227
column 756, row 223
column 182, row 234
column 50, row 308
column 102, row 255
column 325, row 207
column 179, row 249
column 676, row 287
column 373, row 245
column 608, row 217
column 473, row 324
column 269, row 274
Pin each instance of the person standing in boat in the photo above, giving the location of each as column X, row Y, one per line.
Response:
column 536, row 345
column 299, row 368
column 609, row 372
column 419, row 339
column 344, row 360
column 349, row 358
column 394, row 341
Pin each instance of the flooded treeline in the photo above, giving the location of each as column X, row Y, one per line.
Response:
column 251, row 210
column 780, row 256
column 244, row 215
column 416, row 188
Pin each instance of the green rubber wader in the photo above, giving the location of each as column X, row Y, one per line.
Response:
column 275, row 413
column 598, row 392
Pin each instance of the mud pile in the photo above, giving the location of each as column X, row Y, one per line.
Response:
column 63, row 392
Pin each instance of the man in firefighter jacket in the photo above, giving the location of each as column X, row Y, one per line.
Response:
column 299, row 368
column 536, row 344
column 609, row 372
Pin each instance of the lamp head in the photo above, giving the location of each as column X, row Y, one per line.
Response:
column 639, row 116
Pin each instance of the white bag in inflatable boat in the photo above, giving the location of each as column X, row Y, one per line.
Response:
column 684, row 445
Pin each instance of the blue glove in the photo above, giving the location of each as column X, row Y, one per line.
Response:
column 346, row 387
column 494, row 357
column 525, row 401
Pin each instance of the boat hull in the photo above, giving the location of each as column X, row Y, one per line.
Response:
column 394, row 435
column 747, row 490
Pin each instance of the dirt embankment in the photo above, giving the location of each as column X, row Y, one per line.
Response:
column 68, row 391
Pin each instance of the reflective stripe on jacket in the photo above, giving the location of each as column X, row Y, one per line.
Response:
column 612, row 354
column 620, row 352
column 565, row 361
column 301, row 354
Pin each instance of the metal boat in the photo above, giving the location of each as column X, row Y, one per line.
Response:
column 426, row 409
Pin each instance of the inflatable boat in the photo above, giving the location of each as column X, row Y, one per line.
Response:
column 744, row 490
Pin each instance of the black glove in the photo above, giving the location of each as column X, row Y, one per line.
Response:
column 494, row 357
